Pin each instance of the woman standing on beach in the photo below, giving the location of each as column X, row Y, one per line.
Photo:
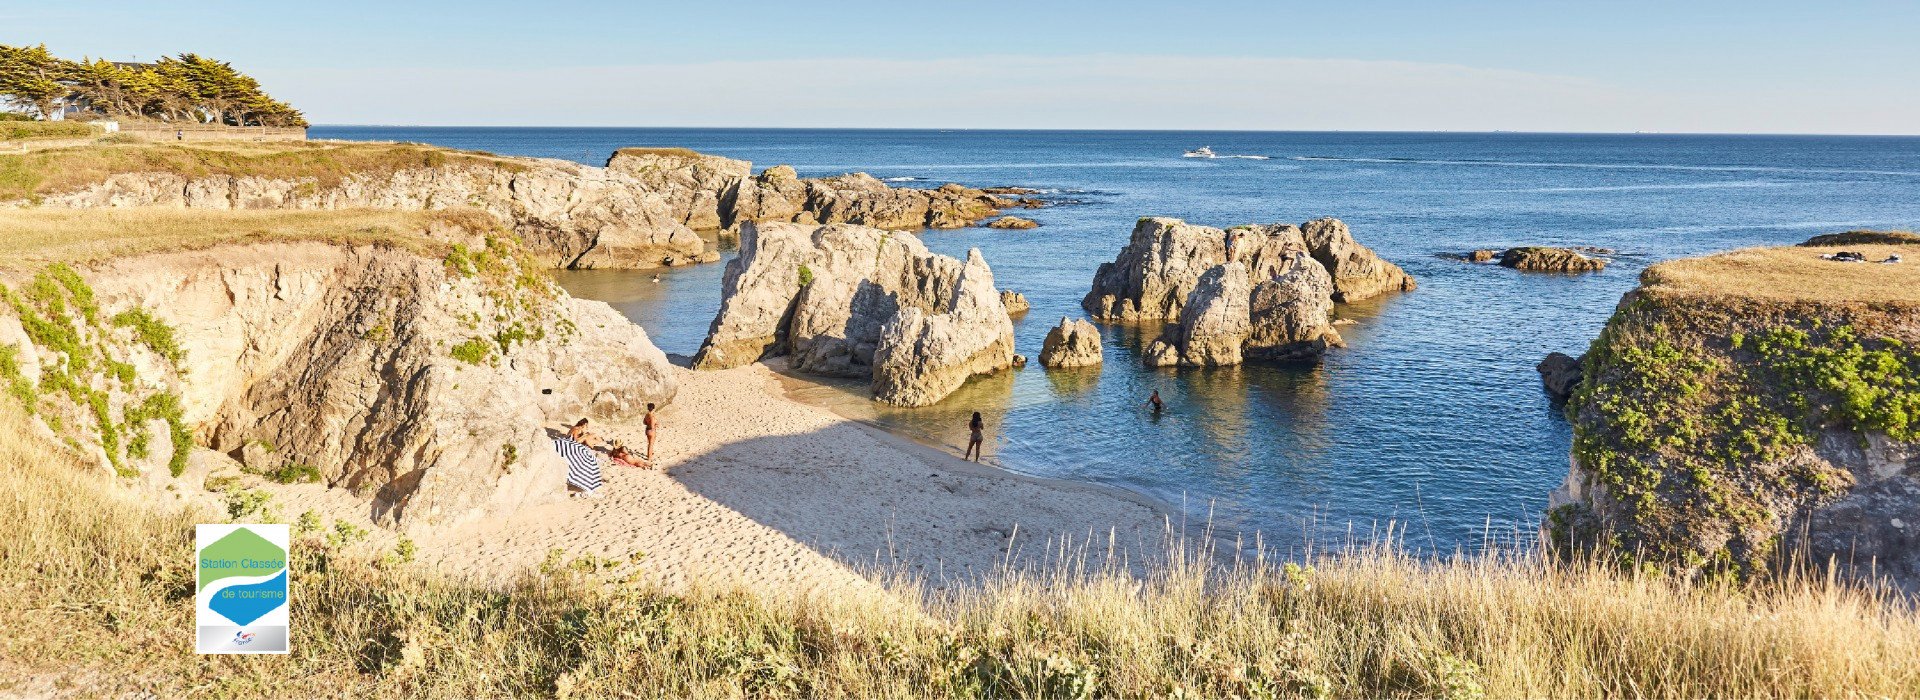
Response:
column 653, row 427
column 979, row 429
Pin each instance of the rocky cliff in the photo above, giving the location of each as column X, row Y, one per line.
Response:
column 1746, row 408
column 778, row 194
column 825, row 295
column 1161, row 265
column 422, row 384
column 922, row 357
column 1227, row 319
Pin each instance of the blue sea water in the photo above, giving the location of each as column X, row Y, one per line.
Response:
column 1432, row 415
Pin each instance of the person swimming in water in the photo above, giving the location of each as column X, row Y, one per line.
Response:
column 1155, row 403
column 979, row 428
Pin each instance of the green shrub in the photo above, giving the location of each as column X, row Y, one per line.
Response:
column 806, row 275
column 22, row 131
column 474, row 351
column 153, row 333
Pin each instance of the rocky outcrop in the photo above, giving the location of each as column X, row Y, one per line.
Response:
column 1226, row 321
column 1013, row 223
column 1162, row 262
column 1073, row 343
column 922, row 357
column 823, row 295
column 694, row 186
column 1357, row 272
column 1015, row 302
column 567, row 214
column 1540, row 259
column 1863, row 238
column 778, row 194
column 1480, row 256
column 1727, row 426
column 410, row 381
column 1559, row 374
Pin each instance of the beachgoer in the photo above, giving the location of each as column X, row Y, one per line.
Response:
column 653, row 428
column 979, row 428
column 580, row 434
column 656, row 278
column 1233, row 240
column 621, row 456
column 1155, row 403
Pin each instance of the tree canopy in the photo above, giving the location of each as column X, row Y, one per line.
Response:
column 185, row 88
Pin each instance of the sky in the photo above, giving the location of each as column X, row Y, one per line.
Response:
column 1385, row 65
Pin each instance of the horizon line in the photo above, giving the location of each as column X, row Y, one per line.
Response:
column 1119, row 130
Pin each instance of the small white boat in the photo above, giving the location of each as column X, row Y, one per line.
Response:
column 1201, row 152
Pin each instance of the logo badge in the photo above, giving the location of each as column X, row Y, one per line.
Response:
column 241, row 607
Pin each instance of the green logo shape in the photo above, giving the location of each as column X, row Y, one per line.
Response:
column 240, row 553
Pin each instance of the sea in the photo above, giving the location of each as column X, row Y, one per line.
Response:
column 1431, row 419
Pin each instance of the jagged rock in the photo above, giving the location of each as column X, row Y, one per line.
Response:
column 1550, row 260
column 1073, row 343
column 858, row 198
column 387, row 371
column 1480, row 256
column 568, row 215
column 1008, row 189
column 1015, row 302
column 1162, row 262
column 922, row 357
column 1289, row 316
column 1357, row 272
column 1559, row 373
column 1214, row 323
column 1019, row 361
column 694, row 185
column 1013, row 223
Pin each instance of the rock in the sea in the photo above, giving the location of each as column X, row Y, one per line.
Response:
column 1863, row 238
column 922, row 357
column 1015, row 302
column 1540, row 259
column 1013, row 222
column 1225, row 322
column 1559, row 374
column 824, row 296
column 1357, row 272
column 694, row 185
column 1073, row 343
column 1019, row 361
column 1480, row 256
column 1162, row 262
column 857, row 198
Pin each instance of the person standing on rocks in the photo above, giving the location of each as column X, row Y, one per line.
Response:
column 653, row 429
column 979, row 428
column 1233, row 242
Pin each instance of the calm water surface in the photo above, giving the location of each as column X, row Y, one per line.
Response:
column 1432, row 415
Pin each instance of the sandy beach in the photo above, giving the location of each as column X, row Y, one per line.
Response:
column 754, row 488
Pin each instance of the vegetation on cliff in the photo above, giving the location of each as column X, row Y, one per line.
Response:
column 1706, row 398
column 27, row 175
column 186, row 88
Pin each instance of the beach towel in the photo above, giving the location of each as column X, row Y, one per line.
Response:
column 583, row 466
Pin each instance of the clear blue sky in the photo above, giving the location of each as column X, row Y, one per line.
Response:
column 1835, row 67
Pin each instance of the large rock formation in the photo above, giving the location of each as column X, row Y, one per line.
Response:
column 1162, row 262
column 420, row 384
column 1073, row 343
column 824, row 294
column 1540, row 259
column 568, row 215
column 1015, row 302
column 1752, row 408
column 1357, row 272
column 695, row 186
column 856, row 198
column 1226, row 320
column 1559, row 374
column 922, row 357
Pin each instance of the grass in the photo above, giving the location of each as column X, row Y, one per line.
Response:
column 1794, row 274
column 100, row 585
column 23, row 131
column 52, row 171
column 33, row 237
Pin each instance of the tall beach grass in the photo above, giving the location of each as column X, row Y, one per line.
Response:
column 96, row 593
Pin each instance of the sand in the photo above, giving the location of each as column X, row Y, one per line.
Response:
column 753, row 488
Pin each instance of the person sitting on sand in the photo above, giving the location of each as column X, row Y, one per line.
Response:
column 580, row 434
column 978, row 428
column 653, row 428
column 1155, row 403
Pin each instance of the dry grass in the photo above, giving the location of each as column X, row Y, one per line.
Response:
column 1794, row 274
column 30, row 238
column 99, row 588
column 58, row 170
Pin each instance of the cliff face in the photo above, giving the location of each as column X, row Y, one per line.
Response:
column 826, row 295
column 421, row 384
column 1747, row 407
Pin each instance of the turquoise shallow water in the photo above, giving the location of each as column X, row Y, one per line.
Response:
column 1432, row 415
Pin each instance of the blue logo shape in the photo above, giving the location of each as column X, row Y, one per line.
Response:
column 248, row 602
